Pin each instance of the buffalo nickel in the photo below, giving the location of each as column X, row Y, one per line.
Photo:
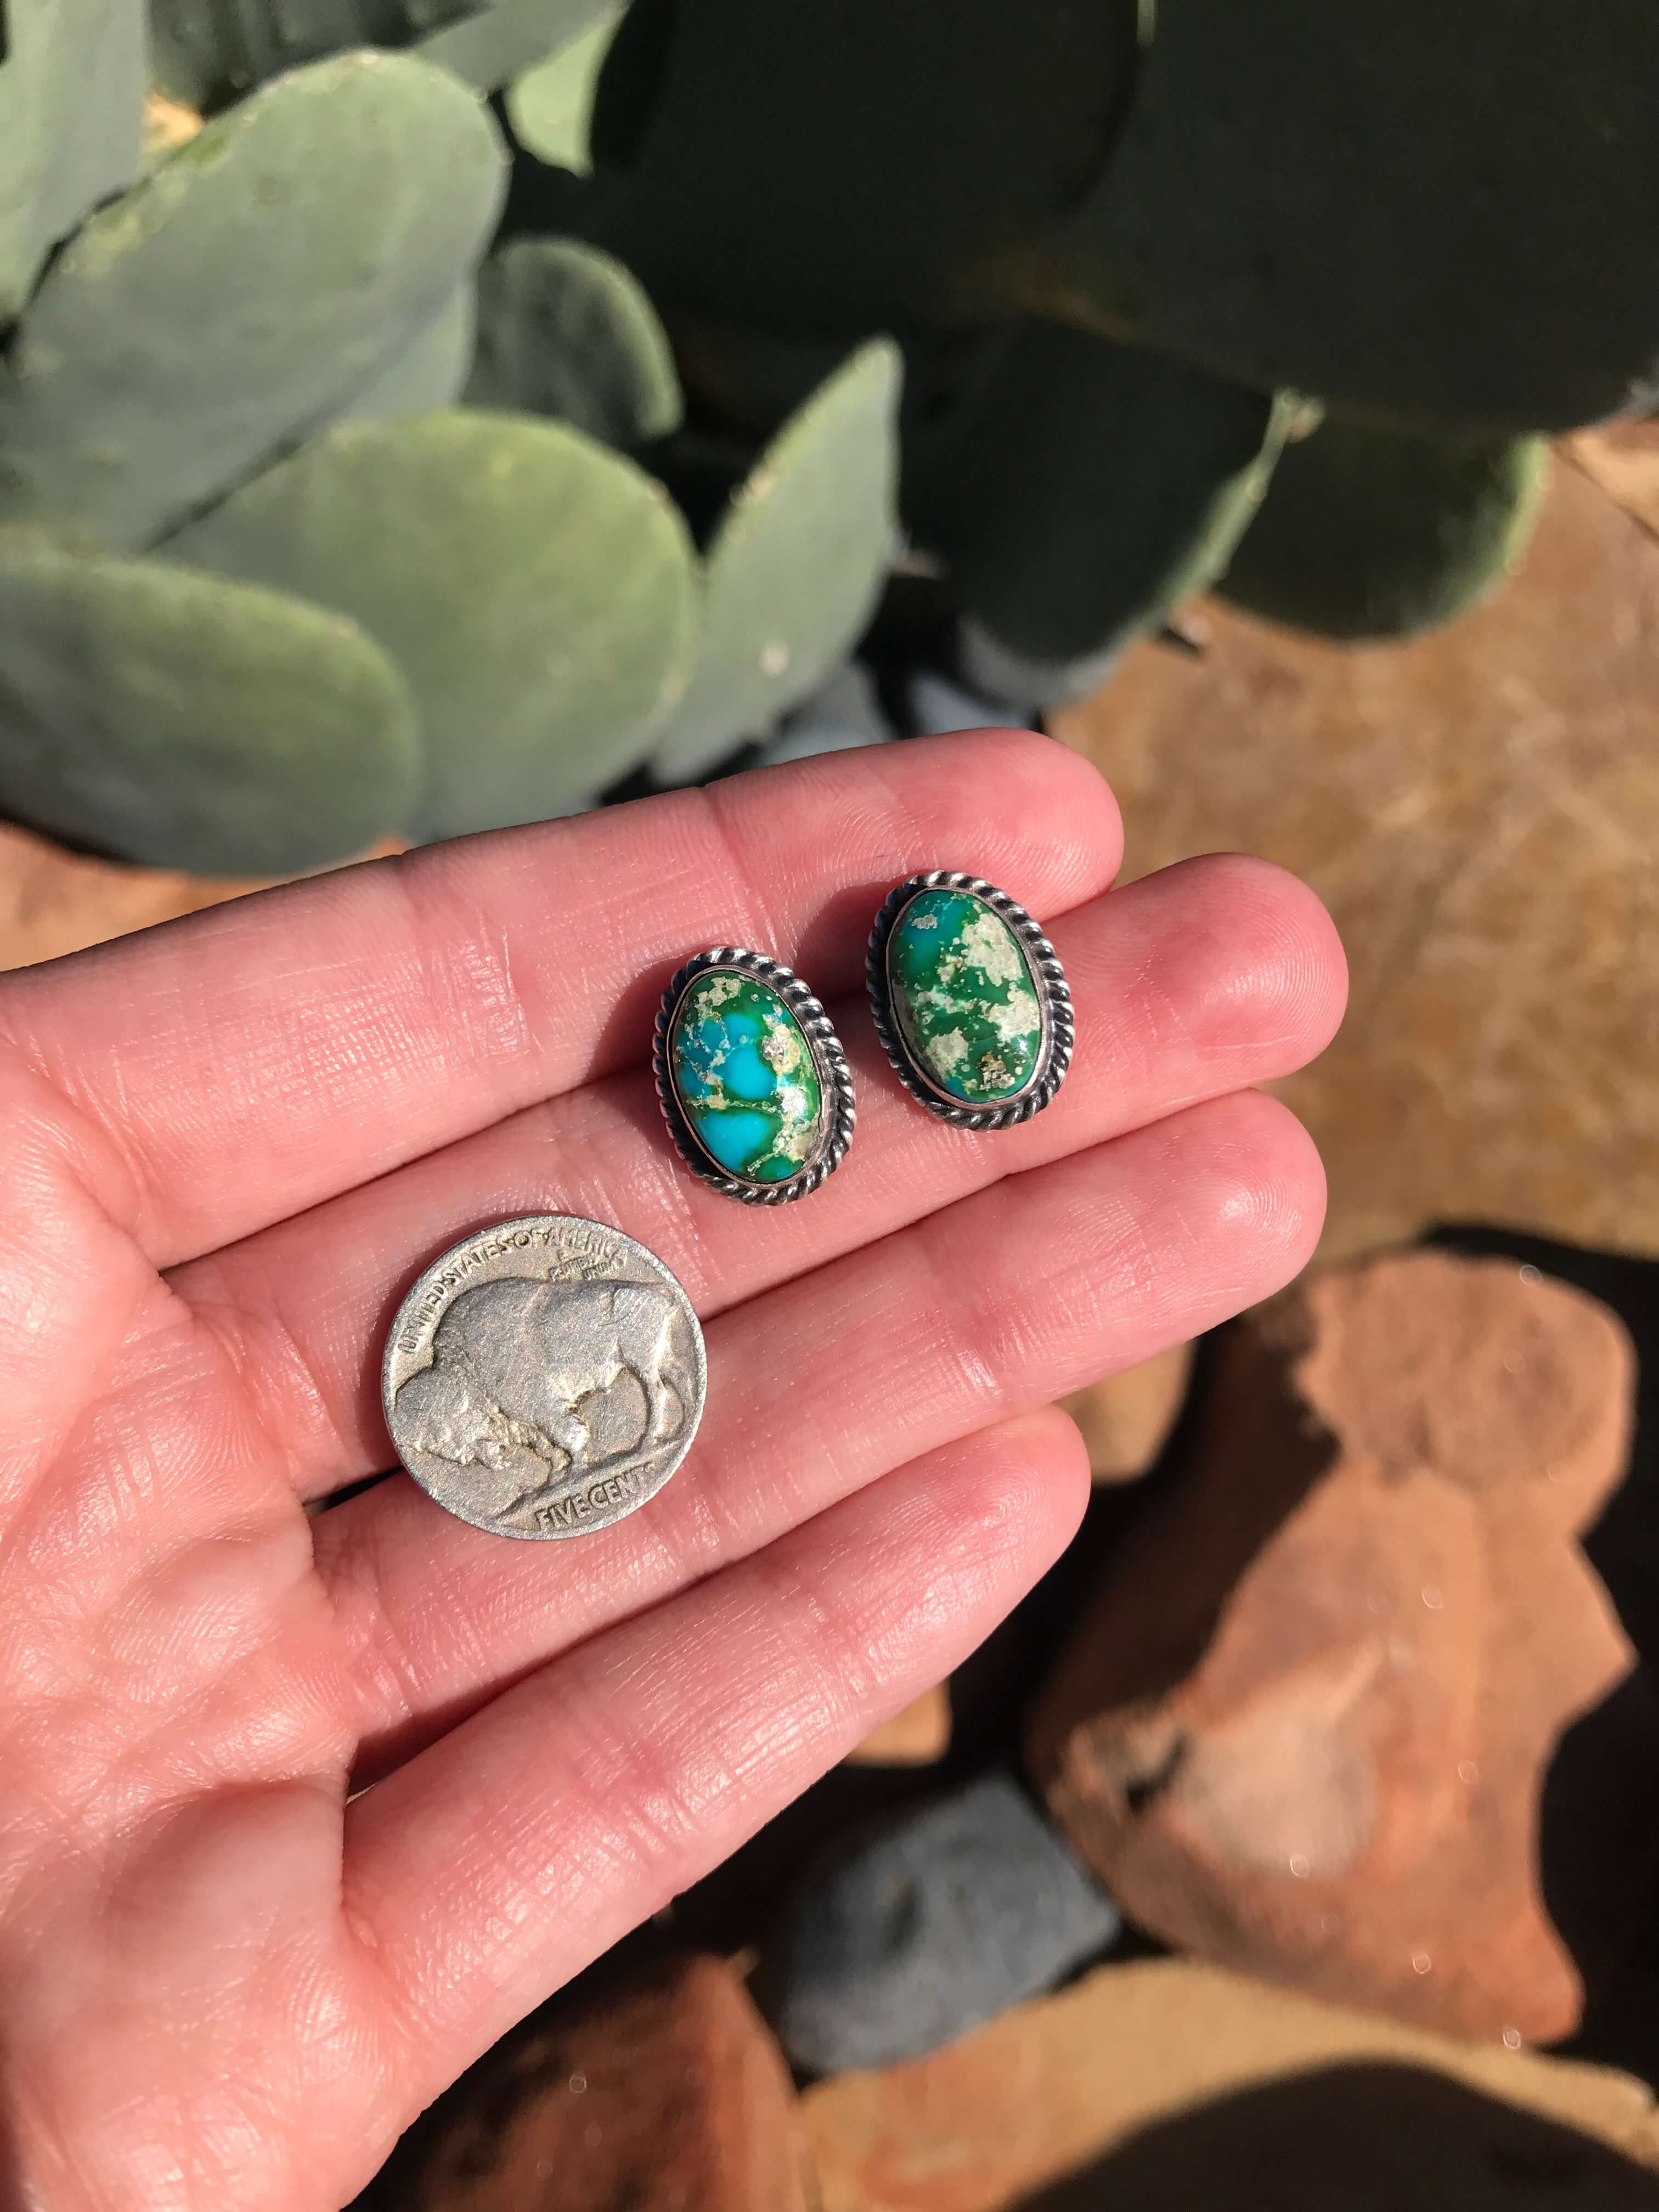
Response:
column 544, row 1377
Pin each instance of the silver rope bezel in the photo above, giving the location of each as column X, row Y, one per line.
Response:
column 1054, row 996
column 829, row 1055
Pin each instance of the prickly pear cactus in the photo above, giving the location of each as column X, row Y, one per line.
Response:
column 1379, row 533
column 831, row 168
column 173, row 718
column 551, row 106
column 1438, row 210
column 276, row 264
column 1078, row 489
column 1111, row 238
column 71, row 107
column 536, row 590
column 566, row 331
column 209, row 53
column 433, row 370
column 234, row 368
column 794, row 566
column 1435, row 211
column 491, row 47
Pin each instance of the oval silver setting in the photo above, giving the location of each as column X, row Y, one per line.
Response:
column 1058, row 1036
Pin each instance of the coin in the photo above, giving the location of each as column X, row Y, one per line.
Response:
column 544, row 1377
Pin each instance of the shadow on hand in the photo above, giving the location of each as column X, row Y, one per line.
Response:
column 1371, row 2138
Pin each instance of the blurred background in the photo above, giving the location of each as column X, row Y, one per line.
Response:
column 418, row 416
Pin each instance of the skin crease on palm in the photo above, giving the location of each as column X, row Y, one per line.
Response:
column 230, row 1144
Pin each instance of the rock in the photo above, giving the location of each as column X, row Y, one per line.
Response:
column 666, row 2095
column 932, row 1926
column 1303, row 1729
column 1623, row 458
column 1357, row 2137
column 1479, row 810
column 53, row 901
column 915, row 1737
column 1125, row 1420
column 1054, row 2085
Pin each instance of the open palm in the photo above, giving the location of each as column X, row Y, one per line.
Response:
column 228, row 1146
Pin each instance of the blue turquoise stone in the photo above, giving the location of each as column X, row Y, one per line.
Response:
column 746, row 1078
column 964, row 997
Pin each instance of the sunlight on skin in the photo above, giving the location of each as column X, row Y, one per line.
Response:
column 230, row 1143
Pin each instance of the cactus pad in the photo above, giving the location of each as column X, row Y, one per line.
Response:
column 174, row 719
column 1378, row 533
column 1078, row 488
column 1439, row 209
column 536, row 590
column 242, row 294
column 208, row 52
column 490, row 48
column 71, row 121
column 795, row 566
column 551, row 106
column 828, row 167
column 565, row 331
column 434, row 371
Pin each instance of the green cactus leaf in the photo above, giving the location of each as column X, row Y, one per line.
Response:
column 71, row 123
column 490, row 48
column 1378, row 533
column 1438, row 210
column 434, row 371
column 796, row 565
column 174, row 719
column 244, row 291
column 551, row 106
column 1077, row 489
column 208, row 52
column 538, row 591
column 828, row 167
column 565, row 331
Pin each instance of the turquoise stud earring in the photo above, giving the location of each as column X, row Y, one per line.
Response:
column 970, row 1001
column 753, row 1081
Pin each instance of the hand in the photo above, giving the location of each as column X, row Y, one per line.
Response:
column 229, row 1145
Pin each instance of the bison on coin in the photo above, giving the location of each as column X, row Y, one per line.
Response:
column 512, row 1361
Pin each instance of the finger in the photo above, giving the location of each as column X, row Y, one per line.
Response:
column 989, row 1310
column 489, row 1870
column 1191, row 983
column 244, row 1064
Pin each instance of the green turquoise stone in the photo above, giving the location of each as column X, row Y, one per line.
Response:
column 746, row 1078
column 965, row 998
